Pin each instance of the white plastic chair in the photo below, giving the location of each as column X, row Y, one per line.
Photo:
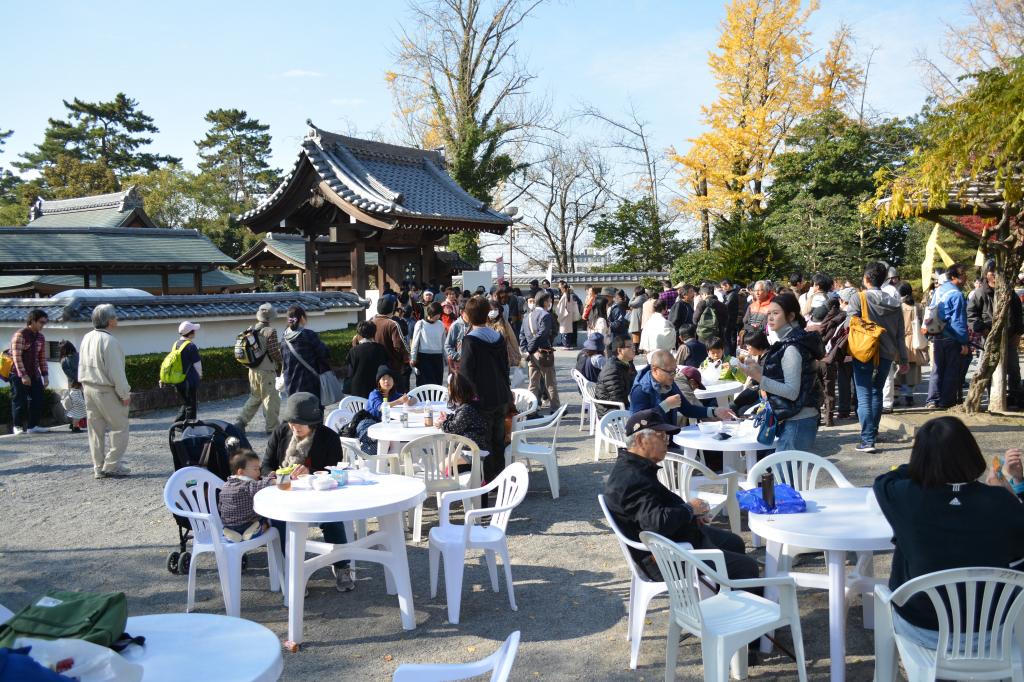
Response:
column 641, row 588
column 611, row 432
column 452, row 541
column 435, row 459
column 588, row 409
column 351, row 404
column 799, row 470
column 727, row 621
column 191, row 492
column 526, row 402
column 581, row 382
column 968, row 649
column 429, row 393
column 343, row 414
column 539, row 443
column 499, row 664
column 677, row 473
column 5, row 614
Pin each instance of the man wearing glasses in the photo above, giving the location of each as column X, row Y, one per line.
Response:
column 655, row 389
column 30, row 374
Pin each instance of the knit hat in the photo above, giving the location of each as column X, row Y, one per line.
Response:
column 384, row 370
column 265, row 313
column 302, row 408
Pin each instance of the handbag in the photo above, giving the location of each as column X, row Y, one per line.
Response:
column 331, row 390
column 918, row 341
column 865, row 336
column 766, row 423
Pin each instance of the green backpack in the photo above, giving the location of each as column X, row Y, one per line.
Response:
column 99, row 618
column 707, row 326
column 171, row 371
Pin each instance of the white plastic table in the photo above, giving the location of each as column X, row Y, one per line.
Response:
column 386, row 500
column 837, row 521
column 719, row 390
column 179, row 645
column 742, row 443
column 394, row 432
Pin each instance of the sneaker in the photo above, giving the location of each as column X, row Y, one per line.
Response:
column 931, row 406
column 98, row 474
column 343, row 579
column 17, row 431
column 39, row 429
column 120, row 471
column 869, row 449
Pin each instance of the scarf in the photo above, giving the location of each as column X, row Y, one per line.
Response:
column 297, row 450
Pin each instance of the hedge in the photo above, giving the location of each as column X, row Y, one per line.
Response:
column 143, row 371
column 5, row 404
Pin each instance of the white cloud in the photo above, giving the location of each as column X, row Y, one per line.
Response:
column 301, row 73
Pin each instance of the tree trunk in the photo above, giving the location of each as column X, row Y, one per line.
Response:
column 705, row 216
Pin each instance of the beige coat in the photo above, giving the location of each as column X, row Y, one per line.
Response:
column 101, row 362
column 915, row 356
column 648, row 310
column 568, row 313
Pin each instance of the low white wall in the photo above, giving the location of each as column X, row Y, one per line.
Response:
column 139, row 337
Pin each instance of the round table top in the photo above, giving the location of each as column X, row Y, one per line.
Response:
column 419, row 407
column 836, row 519
column 393, row 431
column 743, row 439
column 717, row 389
column 380, row 496
column 179, row 645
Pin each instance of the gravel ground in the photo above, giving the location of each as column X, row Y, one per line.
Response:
column 59, row 528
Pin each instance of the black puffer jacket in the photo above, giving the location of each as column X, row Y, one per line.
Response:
column 614, row 383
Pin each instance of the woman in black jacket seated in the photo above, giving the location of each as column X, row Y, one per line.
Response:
column 303, row 440
column 943, row 517
column 616, row 378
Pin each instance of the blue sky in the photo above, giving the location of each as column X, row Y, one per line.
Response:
column 284, row 62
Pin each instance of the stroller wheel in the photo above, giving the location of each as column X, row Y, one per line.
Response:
column 245, row 561
column 172, row 562
column 184, row 561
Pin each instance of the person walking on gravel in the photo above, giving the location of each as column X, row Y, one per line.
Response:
column 107, row 393
column 263, row 376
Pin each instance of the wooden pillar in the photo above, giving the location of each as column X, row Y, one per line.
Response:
column 310, row 277
column 426, row 262
column 85, row 276
column 357, row 263
column 99, row 279
column 382, row 273
column 197, row 281
column 255, row 279
column 165, row 285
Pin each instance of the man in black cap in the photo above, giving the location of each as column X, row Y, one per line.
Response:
column 638, row 501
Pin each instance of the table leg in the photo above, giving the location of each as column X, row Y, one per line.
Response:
column 751, row 459
column 296, row 577
column 837, row 613
column 867, row 571
column 398, row 562
column 772, row 552
column 723, row 401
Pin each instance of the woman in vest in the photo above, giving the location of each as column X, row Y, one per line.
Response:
column 304, row 355
column 789, row 375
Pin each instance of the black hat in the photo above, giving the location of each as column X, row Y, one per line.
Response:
column 649, row 419
column 302, row 408
column 384, row 370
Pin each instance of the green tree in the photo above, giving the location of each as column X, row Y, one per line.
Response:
column 109, row 133
column 236, row 150
column 638, row 234
column 13, row 207
column 827, row 172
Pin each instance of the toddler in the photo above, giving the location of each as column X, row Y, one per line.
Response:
column 235, row 503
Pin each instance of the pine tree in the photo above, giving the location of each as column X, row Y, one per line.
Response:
column 110, row 134
column 236, row 150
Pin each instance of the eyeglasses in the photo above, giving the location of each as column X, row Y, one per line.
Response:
column 666, row 371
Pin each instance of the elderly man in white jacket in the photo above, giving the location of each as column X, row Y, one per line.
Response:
column 657, row 333
column 107, row 393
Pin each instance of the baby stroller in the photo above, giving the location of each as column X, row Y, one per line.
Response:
column 208, row 444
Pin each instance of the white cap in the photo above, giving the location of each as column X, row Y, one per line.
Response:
column 186, row 327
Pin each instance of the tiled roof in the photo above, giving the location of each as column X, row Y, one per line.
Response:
column 60, row 249
column 102, row 210
column 79, row 309
column 453, row 260
column 589, row 277
column 385, row 180
column 288, row 247
column 214, row 279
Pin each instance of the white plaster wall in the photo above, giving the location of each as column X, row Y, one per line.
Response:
column 138, row 337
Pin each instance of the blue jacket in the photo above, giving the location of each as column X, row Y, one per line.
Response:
column 951, row 306
column 376, row 400
column 646, row 396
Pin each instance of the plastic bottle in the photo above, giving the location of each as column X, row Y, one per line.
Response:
column 385, row 412
column 768, row 489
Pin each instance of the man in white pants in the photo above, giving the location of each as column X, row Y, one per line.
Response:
column 107, row 393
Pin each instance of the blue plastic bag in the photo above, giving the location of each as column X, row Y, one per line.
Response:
column 787, row 501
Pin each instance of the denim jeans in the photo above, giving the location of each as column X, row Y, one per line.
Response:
column 869, row 379
column 947, row 372
column 334, row 533
column 26, row 402
column 797, row 434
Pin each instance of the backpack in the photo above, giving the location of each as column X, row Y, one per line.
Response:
column 865, row 336
column 249, row 347
column 6, row 365
column 707, row 326
column 171, row 370
column 98, row 617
